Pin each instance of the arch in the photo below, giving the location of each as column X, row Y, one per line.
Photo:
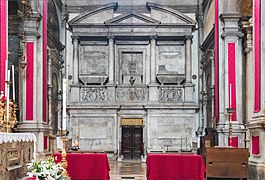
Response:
column 83, row 16
column 54, row 104
column 174, row 12
column 53, row 20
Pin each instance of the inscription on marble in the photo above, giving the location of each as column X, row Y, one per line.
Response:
column 132, row 67
column 93, row 60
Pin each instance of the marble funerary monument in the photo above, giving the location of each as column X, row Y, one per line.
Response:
column 134, row 80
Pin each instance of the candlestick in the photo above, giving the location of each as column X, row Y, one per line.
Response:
column 13, row 83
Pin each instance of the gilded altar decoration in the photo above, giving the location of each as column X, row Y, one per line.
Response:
column 8, row 118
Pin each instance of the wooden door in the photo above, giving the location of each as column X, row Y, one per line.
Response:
column 132, row 142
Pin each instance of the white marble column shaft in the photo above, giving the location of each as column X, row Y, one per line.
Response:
column 153, row 59
column 188, row 70
column 111, row 60
column 75, row 60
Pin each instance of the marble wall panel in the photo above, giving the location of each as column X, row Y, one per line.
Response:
column 93, row 60
column 94, row 133
column 174, row 131
column 171, row 59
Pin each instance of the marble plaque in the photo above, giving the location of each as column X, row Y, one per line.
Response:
column 93, row 132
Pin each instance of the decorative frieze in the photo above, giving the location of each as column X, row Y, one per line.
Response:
column 93, row 94
column 171, row 93
column 132, row 93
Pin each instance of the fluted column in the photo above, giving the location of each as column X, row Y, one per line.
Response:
column 75, row 60
column 111, row 60
column 188, row 70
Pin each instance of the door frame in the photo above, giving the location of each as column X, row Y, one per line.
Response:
column 132, row 129
column 119, row 128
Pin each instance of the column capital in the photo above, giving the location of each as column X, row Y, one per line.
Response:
column 188, row 37
column 75, row 37
column 110, row 36
column 153, row 37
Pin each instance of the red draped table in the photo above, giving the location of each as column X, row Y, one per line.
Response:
column 174, row 166
column 86, row 166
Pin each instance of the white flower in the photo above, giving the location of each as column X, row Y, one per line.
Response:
column 47, row 170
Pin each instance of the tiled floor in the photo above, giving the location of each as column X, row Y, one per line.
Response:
column 129, row 169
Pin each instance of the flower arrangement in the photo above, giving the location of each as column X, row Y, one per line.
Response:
column 45, row 170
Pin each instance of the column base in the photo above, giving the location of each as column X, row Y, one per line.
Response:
column 153, row 84
column 238, row 130
column 74, row 93
column 153, row 91
column 256, row 170
column 111, row 87
column 189, row 93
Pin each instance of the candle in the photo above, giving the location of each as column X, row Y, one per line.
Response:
column 13, row 83
column 7, row 96
column 8, row 75
column 64, row 105
column 230, row 95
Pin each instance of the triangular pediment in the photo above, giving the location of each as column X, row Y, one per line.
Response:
column 132, row 18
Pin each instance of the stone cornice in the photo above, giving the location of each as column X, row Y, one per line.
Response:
column 183, row 8
column 230, row 17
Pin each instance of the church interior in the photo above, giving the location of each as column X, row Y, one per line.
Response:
column 170, row 88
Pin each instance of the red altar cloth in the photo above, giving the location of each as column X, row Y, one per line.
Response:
column 174, row 166
column 86, row 166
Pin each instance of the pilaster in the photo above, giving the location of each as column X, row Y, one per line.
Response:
column 32, row 72
column 153, row 85
column 188, row 62
column 111, row 60
column 75, row 60
column 231, row 74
